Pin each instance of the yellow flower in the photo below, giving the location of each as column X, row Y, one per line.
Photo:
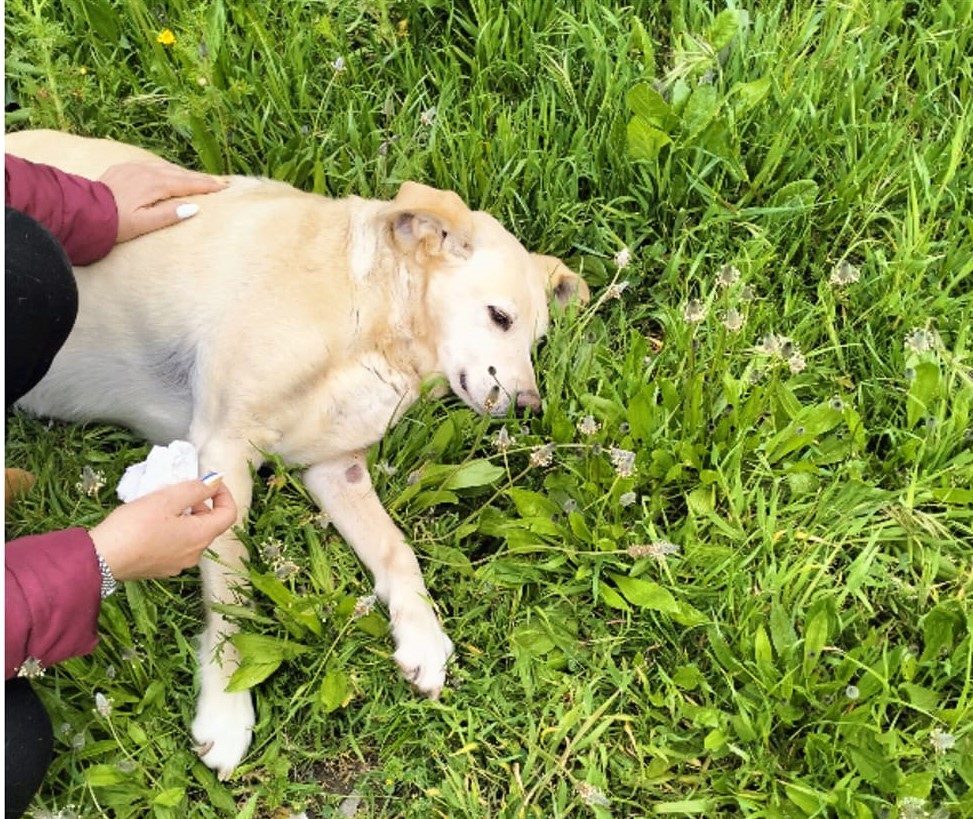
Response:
column 166, row 37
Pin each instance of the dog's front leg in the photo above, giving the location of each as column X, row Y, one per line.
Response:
column 223, row 725
column 344, row 490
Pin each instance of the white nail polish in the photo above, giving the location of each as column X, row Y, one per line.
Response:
column 186, row 210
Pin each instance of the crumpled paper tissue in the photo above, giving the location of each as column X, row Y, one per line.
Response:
column 165, row 465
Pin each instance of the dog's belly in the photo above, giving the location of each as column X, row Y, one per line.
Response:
column 148, row 392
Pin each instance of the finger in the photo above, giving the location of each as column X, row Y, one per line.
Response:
column 190, row 494
column 224, row 507
column 175, row 181
column 162, row 214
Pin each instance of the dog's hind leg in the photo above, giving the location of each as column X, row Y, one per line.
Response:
column 344, row 490
column 223, row 725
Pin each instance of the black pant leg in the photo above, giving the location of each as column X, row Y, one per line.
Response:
column 41, row 302
column 28, row 746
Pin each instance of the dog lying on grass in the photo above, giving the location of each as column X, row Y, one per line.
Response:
column 282, row 322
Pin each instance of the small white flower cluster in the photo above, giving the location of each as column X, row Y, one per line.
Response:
column 364, row 606
column 844, row 273
column 921, row 341
column 272, row 552
column 782, row 348
column 623, row 460
column 91, row 483
column 658, row 549
column 103, row 705
column 588, row 425
column 592, row 795
column 542, row 456
column 504, row 440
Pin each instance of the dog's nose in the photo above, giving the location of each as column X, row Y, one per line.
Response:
column 529, row 400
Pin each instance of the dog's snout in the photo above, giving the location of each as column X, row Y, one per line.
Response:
column 529, row 400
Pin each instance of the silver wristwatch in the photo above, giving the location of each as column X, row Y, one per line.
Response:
column 108, row 582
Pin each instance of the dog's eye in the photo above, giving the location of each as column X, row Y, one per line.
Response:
column 501, row 319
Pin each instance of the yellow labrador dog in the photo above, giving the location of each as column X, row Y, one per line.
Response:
column 282, row 322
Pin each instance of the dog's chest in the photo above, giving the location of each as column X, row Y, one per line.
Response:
column 348, row 409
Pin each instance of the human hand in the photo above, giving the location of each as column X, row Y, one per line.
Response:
column 152, row 537
column 146, row 195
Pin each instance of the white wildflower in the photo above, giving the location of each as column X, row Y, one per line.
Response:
column 770, row 344
column 428, row 117
column 912, row 807
column 542, row 455
column 658, row 549
column 941, row 741
column 78, row 741
column 728, row 276
column 588, row 425
column 797, row 363
column 102, row 705
column 338, row 65
column 31, row 668
column 844, row 273
column 504, row 440
column 385, row 468
column 285, row 568
column 623, row 460
column 615, row 289
column 592, row 796
column 363, row 606
column 91, row 482
column 694, row 311
column 921, row 341
column 623, row 258
column 852, row 692
column 733, row 320
column 271, row 550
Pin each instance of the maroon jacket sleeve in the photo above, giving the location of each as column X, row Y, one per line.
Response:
column 53, row 597
column 80, row 213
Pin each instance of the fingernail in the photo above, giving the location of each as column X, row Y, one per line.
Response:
column 212, row 477
column 186, row 210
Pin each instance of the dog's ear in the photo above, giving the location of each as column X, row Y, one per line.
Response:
column 431, row 222
column 563, row 283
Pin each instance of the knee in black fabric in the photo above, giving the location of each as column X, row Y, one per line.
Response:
column 28, row 746
column 41, row 302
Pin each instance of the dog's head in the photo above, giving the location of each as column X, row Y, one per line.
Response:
column 486, row 297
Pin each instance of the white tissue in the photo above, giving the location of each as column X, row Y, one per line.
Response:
column 165, row 465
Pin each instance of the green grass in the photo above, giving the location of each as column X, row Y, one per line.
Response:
column 800, row 651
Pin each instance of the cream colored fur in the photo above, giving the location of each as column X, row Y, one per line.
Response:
column 277, row 321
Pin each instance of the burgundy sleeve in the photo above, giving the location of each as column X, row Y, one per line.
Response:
column 80, row 213
column 53, row 597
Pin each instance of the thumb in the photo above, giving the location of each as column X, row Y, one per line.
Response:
column 188, row 494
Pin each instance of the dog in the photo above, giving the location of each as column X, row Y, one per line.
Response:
column 286, row 323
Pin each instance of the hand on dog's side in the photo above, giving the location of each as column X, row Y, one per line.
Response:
column 147, row 193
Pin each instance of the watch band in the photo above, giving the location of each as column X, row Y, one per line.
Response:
column 108, row 582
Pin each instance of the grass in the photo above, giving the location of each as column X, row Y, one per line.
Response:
column 806, row 649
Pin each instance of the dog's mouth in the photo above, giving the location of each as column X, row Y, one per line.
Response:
column 491, row 404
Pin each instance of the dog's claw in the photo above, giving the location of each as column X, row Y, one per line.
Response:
column 203, row 748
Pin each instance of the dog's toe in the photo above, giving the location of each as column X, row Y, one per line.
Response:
column 222, row 729
column 422, row 653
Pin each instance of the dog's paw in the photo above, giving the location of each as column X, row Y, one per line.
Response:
column 222, row 729
column 422, row 647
